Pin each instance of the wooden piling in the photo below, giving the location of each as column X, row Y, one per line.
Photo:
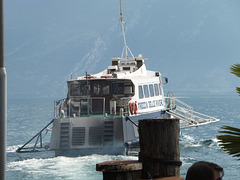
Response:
column 120, row 170
column 159, row 156
column 159, row 147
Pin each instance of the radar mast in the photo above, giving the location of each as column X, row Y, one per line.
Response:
column 125, row 48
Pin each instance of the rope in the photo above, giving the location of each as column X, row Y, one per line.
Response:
column 163, row 161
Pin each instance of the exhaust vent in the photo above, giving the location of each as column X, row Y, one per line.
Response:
column 78, row 136
column 108, row 133
column 64, row 136
column 95, row 136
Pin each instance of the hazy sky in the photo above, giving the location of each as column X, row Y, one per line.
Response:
column 191, row 42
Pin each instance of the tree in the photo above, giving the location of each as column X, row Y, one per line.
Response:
column 235, row 69
column 230, row 140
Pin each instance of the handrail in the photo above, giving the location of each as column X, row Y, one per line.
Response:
column 188, row 117
column 181, row 102
column 92, row 98
column 39, row 136
column 59, row 106
column 56, row 103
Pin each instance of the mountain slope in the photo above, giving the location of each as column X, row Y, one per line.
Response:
column 191, row 42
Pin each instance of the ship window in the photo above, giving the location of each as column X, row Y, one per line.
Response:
column 126, row 68
column 96, row 89
column 105, row 89
column 75, row 90
column 146, row 92
column 160, row 89
column 156, row 89
column 84, row 89
column 118, row 88
column 151, row 90
column 140, row 92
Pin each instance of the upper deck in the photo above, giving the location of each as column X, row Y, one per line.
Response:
column 124, row 68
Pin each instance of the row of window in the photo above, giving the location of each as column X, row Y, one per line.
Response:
column 83, row 90
column 100, row 88
column 149, row 90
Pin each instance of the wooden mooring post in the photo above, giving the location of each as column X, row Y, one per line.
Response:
column 120, row 170
column 159, row 156
column 159, row 147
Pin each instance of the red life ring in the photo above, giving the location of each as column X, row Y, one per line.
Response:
column 132, row 107
column 135, row 109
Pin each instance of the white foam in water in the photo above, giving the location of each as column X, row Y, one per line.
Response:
column 185, row 137
column 13, row 148
column 190, row 141
column 187, row 160
column 64, row 167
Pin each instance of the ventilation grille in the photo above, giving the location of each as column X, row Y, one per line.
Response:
column 95, row 136
column 78, row 136
column 108, row 133
column 64, row 136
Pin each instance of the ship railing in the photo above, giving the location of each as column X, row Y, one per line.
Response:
column 58, row 105
column 81, row 107
column 124, row 104
column 188, row 117
column 93, row 105
column 87, row 107
column 35, row 144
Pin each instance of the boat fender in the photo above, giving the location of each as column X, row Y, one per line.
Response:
column 62, row 113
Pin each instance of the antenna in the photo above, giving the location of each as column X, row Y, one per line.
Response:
column 125, row 48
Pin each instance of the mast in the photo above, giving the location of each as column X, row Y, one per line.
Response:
column 125, row 48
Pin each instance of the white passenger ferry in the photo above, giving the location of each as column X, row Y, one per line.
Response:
column 101, row 111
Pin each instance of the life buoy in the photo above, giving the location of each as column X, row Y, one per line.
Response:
column 135, row 109
column 132, row 107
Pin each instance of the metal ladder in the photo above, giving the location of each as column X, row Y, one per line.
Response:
column 187, row 116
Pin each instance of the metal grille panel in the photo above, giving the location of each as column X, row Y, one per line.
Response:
column 64, row 137
column 95, row 136
column 108, row 133
column 78, row 136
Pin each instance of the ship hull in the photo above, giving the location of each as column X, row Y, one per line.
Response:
column 97, row 135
